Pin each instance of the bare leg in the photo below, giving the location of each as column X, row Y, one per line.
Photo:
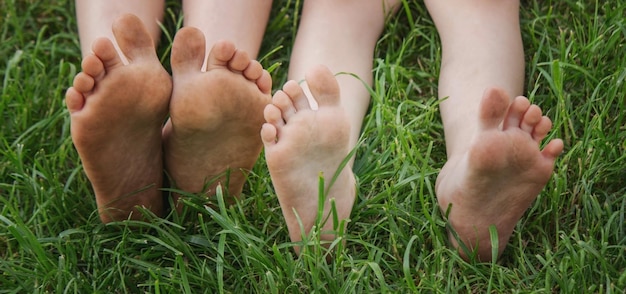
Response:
column 495, row 168
column 239, row 21
column 340, row 35
column 215, row 114
column 96, row 17
column 117, row 111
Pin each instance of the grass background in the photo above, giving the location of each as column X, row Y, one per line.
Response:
column 571, row 240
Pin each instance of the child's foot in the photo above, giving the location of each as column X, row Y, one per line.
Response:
column 215, row 115
column 300, row 144
column 117, row 112
column 500, row 175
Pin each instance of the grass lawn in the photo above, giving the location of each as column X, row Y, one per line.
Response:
column 571, row 240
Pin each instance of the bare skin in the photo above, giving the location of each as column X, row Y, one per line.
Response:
column 240, row 21
column 341, row 36
column 117, row 112
column 302, row 143
column 501, row 173
column 493, row 173
column 96, row 17
column 215, row 115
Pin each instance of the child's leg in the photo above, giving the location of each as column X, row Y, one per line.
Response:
column 239, row 21
column 95, row 18
column 342, row 35
column 117, row 110
column 495, row 168
column 215, row 116
column 302, row 141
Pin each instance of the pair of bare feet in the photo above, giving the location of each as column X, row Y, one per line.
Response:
column 118, row 113
column 492, row 183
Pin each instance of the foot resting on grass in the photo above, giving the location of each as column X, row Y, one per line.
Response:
column 117, row 111
column 215, row 115
column 302, row 143
column 500, row 174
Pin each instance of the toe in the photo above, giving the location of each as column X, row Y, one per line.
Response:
column 83, row 83
column 268, row 134
column 93, row 66
column 541, row 129
column 74, row 100
column 283, row 102
column 104, row 50
column 296, row 93
column 531, row 118
column 133, row 37
column 220, row 55
column 253, row 71
column 272, row 115
column 516, row 112
column 553, row 149
column 188, row 51
column 323, row 85
column 265, row 83
column 493, row 107
column 239, row 62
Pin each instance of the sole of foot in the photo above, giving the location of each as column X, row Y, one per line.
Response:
column 117, row 111
column 501, row 173
column 212, row 137
column 301, row 144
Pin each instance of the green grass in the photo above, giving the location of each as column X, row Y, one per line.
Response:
column 572, row 239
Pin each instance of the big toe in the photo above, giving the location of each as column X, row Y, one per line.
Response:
column 188, row 51
column 493, row 107
column 133, row 37
column 323, row 85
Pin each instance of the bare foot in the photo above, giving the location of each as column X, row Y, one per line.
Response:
column 301, row 143
column 215, row 115
column 117, row 112
column 500, row 175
